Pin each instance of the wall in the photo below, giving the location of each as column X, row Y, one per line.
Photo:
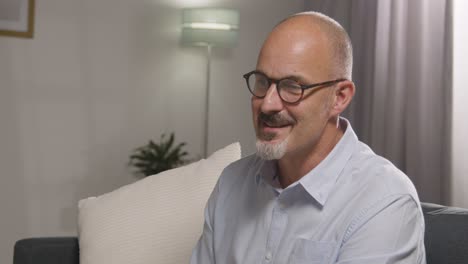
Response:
column 459, row 184
column 100, row 78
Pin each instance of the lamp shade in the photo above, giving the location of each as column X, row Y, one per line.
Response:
column 210, row 26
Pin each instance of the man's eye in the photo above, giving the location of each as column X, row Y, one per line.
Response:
column 262, row 82
column 290, row 84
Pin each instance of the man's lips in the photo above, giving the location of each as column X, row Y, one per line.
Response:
column 273, row 128
column 270, row 125
column 274, row 122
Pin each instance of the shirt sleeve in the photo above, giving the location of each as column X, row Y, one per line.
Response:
column 203, row 253
column 390, row 232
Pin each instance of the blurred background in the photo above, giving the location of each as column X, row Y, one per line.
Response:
column 102, row 77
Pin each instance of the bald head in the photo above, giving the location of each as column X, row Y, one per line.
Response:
column 317, row 36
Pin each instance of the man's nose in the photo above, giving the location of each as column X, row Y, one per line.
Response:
column 272, row 101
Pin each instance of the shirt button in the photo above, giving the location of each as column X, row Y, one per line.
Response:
column 268, row 256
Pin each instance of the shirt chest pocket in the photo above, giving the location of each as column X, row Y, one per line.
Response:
column 311, row 252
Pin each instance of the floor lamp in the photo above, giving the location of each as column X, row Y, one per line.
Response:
column 209, row 27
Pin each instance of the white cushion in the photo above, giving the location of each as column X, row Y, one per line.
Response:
column 155, row 220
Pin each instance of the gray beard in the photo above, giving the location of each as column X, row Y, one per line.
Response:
column 270, row 151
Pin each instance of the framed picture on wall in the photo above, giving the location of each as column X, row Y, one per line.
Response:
column 17, row 18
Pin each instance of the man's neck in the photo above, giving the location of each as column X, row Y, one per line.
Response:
column 294, row 166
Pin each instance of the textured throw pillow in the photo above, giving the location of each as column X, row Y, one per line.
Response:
column 155, row 220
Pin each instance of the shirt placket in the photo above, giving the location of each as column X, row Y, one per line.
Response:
column 278, row 225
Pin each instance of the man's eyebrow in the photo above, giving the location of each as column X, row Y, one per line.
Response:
column 296, row 77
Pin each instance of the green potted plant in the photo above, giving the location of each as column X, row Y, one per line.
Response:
column 154, row 158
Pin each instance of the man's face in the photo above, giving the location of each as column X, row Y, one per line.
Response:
column 290, row 129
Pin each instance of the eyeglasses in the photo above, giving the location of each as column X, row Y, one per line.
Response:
column 290, row 91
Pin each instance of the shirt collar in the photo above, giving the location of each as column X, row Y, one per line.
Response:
column 319, row 182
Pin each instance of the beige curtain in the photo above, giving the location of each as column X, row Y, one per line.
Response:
column 402, row 70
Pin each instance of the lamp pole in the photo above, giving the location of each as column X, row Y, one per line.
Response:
column 209, row 27
column 207, row 100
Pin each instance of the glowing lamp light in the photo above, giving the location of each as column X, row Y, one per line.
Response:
column 210, row 26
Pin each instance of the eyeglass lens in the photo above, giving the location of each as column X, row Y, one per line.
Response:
column 289, row 90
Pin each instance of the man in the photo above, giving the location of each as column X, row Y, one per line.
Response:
column 313, row 193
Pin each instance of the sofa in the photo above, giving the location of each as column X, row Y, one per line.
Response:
column 159, row 219
column 446, row 240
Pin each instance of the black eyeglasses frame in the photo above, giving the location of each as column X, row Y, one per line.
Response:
column 277, row 81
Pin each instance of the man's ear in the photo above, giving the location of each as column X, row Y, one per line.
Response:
column 344, row 93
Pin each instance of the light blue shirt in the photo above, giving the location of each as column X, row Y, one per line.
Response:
column 355, row 207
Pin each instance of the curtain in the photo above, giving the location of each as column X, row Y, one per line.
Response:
column 402, row 72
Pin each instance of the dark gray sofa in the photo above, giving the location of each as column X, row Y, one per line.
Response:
column 446, row 241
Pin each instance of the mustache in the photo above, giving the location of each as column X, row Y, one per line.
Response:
column 276, row 119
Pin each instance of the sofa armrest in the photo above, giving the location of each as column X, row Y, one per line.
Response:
column 446, row 236
column 48, row 250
